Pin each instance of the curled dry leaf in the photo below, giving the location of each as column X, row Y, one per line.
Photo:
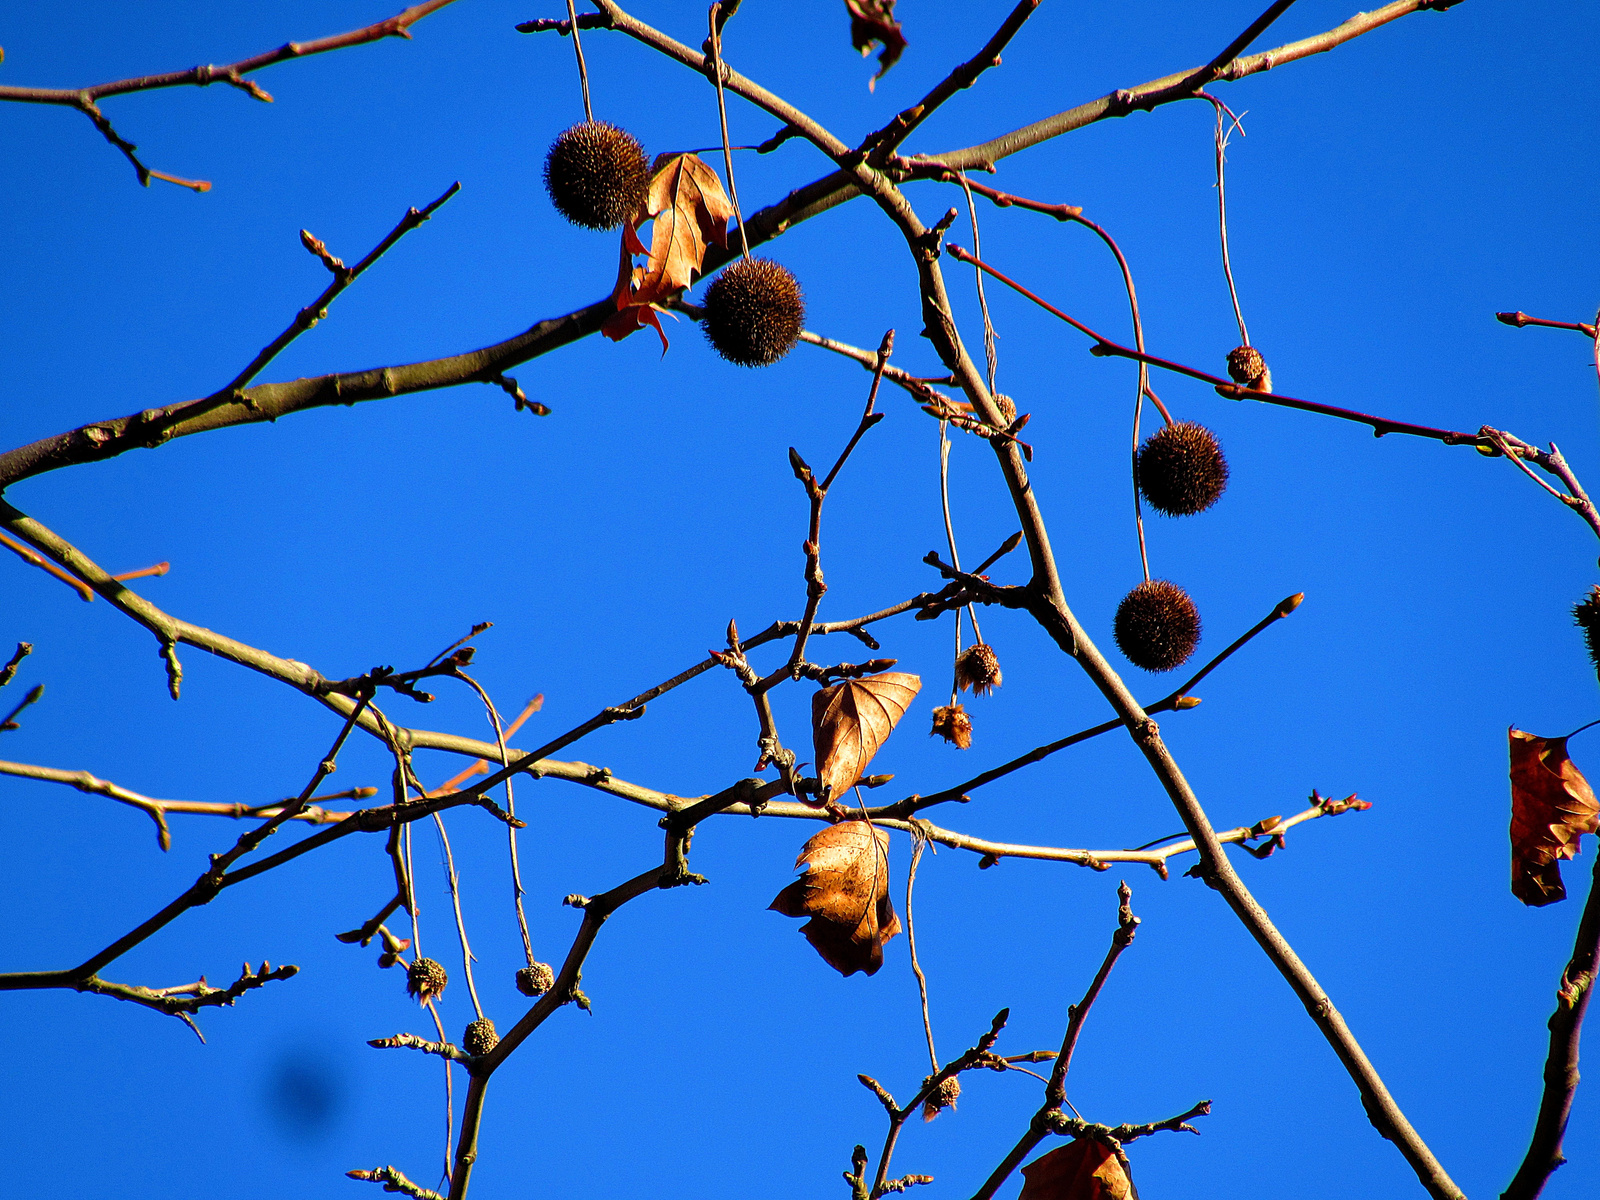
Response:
column 845, row 892
column 873, row 21
column 850, row 720
column 690, row 210
column 1084, row 1169
column 1552, row 805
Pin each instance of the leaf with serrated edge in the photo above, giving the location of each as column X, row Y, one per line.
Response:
column 851, row 720
column 845, row 892
column 690, row 210
column 1552, row 805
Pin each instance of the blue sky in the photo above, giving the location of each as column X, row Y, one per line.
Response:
column 1386, row 200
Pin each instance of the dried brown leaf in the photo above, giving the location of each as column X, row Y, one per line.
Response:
column 1084, row 1169
column 873, row 21
column 690, row 211
column 851, row 720
column 845, row 892
column 1552, row 805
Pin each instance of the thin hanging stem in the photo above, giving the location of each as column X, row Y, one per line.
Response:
column 449, row 1098
column 411, row 887
column 990, row 352
column 949, row 527
column 455, row 899
column 715, row 42
column 1221, row 140
column 918, row 843
column 511, row 810
column 583, row 69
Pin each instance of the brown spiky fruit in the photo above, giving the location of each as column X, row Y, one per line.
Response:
column 480, row 1037
column 950, row 721
column 1157, row 625
column 978, row 668
column 425, row 979
column 754, row 312
column 1181, row 470
column 948, row 1092
column 596, row 175
column 1586, row 613
column 535, row 979
column 1248, row 369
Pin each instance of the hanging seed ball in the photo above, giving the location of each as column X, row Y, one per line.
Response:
column 1248, row 369
column 1586, row 613
column 1181, row 469
column 950, row 721
column 1157, row 626
column 535, row 980
column 978, row 668
column 1007, row 406
column 596, row 175
column 754, row 312
column 425, row 979
column 947, row 1095
column 480, row 1037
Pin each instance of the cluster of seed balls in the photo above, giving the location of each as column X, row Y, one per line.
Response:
column 426, row 980
column 1180, row 472
column 598, row 176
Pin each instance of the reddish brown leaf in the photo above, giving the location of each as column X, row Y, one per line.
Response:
column 873, row 21
column 1552, row 805
column 689, row 210
column 850, row 720
column 845, row 892
column 1083, row 1169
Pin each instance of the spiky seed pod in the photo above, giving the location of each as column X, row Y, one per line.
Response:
column 1181, row 469
column 1248, row 369
column 535, row 980
column 1157, row 625
column 754, row 312
column 978, row 668
column 596, row 175
column 948, row 1093
column 425, row 979
column 480, row 1037
column 1007, row 406
column 950, row 721
column 1586, row 613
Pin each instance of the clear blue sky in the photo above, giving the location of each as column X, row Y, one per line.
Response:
column 1387, row 200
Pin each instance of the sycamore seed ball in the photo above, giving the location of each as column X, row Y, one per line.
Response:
column 425, row 979
column 480, row 1037
column 596, row 175
column 1586, row 615
column 1181, row 469
column 1157, row 626
column 754, row 312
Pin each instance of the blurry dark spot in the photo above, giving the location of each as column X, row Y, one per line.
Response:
column 304, row 1094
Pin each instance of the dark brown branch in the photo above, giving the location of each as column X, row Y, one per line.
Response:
column 1561, row 1064
column 394, row 1181
column 83, row 99
column 904, row 123
column 563, row 992
column 1055, row 1090
column 410, row 1041
column 1105, row 347
column 1520, row 319
column 9, row 671
column 395, row 26
column 268, row 402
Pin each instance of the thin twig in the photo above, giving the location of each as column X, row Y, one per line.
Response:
column 583, row 69
column 714, row 49
column 1104, row 346
column 919, row 842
